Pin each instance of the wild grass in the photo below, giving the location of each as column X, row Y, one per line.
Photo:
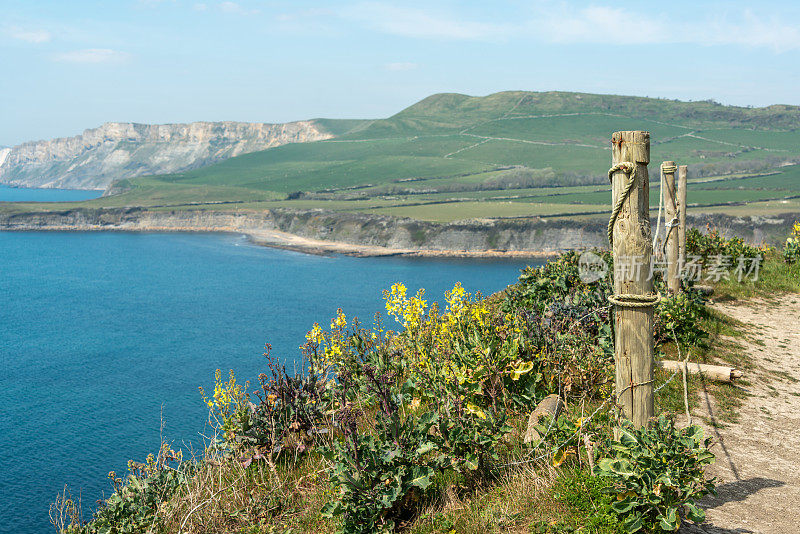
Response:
column 776, row 277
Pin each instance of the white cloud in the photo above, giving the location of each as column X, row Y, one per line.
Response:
column 400, row 66
column 233, row 7
column 29, row 36
column 594, row 25
column 562, row 23
column 92, row 55
column 419, row 23
column 200, row 7
column 752, row 30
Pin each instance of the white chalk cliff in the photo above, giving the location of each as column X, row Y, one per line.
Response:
column 117, row 150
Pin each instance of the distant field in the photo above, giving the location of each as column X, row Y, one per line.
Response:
column 512, row 154
column 485, row 210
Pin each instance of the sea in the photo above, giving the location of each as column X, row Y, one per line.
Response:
column 105, row 338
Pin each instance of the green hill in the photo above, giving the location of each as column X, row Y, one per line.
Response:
column 498, row 156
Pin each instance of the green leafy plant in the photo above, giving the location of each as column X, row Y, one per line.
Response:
column 713, row 244
column 657, row 474
column 558, row 281
column 559, row 438
column 380, row 471
column 791, row 249
column 133, row 506
column 288, row 417
column 679, row 318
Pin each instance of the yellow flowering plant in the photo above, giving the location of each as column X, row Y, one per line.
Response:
column 791, row 249
column 228, row 408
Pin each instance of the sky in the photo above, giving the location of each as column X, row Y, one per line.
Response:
column 68, row 66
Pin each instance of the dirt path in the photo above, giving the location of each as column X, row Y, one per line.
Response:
column 758, row 458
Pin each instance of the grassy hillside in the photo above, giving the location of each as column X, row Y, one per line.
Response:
column 509, row 154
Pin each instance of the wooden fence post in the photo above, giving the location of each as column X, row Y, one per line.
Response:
column 681, row 218
column 630, row 235
column 671, row 215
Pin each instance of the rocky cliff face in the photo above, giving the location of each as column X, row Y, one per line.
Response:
column 530, row 235
column 116, row 150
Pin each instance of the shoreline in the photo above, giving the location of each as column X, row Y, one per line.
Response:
column 286, row 241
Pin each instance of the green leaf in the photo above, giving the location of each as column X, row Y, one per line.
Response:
column 390, row 455
column 623, row 507
column 622, row 467
column 471, row 461
column 706, row 457
column 694, row 513
column 331, row 509
column 421, row 477
column 670, row 521
column 627, row 439
column 633, row 523
column 426, row 448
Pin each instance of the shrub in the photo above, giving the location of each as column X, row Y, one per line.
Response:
column 678, row 318
column 559, row 281
column 289, row 414
column 656, row 474
column 559, row 438
column 228, row 409
column 133, row 506
column 713, row 244
column 412, row 405
column 568, row 324
column 404, row 413
column 791, row 249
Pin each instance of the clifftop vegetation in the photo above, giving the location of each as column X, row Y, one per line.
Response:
column 418, row 422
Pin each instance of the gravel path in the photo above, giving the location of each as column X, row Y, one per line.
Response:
column 758, row 458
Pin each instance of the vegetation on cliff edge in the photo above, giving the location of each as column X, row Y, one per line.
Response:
column 418, row 424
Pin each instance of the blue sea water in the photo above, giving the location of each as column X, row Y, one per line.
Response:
column 23, row 194
column 103, row 333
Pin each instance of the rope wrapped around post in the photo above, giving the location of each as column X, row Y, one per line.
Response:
column 630, row 169
column 669, row 169
column 626, row 299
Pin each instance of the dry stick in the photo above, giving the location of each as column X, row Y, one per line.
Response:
column 668, row 169
column 633, row 291
column 719, row 373
column 681, row 202
column 589, row 451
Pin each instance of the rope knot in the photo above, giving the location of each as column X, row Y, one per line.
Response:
column 625, row 166
column 628, row 168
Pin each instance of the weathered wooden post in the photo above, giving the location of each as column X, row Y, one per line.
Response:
column 630, row 237
column 671, row 215
column 681, row 218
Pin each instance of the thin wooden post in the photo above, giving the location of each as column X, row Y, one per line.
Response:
column 671, row 216
column 633, row 286
column 681, row 218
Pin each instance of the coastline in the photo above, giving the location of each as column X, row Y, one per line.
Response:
column 286, row 241
column 322, row 232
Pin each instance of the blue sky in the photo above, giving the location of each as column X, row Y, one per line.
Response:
column 71, row 65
